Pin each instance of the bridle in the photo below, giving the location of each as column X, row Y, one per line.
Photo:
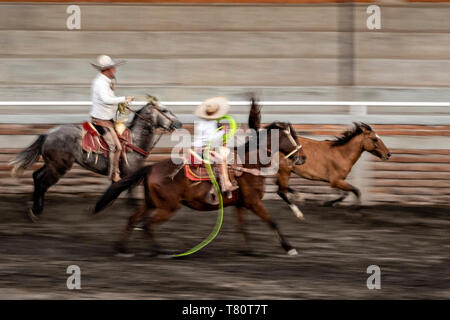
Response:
column 294, row 143
column 151, row 123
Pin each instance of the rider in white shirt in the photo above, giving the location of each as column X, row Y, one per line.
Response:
column 104, row 108
column 205, row 130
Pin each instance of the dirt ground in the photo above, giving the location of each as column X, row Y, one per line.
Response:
column 335, row 245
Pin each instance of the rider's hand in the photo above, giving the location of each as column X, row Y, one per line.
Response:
column 129, row 99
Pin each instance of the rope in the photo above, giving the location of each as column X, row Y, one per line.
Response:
column 215, row 231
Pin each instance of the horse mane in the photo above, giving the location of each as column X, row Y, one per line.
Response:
column 133, row 122
column 282, row 126
column 274, row 125
column 254, row 117
column 293, row 133
column 254, row 122
column 349, row 134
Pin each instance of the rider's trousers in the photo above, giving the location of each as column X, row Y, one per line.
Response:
column 115, row 148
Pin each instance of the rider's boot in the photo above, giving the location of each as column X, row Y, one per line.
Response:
column 114, row 173
column 225, row 182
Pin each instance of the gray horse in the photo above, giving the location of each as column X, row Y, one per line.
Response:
column 60, row 147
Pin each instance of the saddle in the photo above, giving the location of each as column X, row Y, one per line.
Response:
column 194, row 167
column 93, row 142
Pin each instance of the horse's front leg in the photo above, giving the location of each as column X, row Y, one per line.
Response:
column 283, row 176
column 282, row 193
column 347, row 187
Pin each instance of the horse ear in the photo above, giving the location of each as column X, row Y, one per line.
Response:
column 365, row 127
column 359, row 126
column 151, row 99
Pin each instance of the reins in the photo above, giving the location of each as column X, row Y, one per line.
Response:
column 149, row 122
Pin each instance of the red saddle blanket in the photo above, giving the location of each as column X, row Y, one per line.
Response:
column 196, row 173
column 92, row 141
column 195, row 169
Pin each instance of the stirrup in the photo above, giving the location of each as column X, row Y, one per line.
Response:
column 224, row 189
column 113, row 179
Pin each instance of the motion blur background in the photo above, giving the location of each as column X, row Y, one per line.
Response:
column 281, row 50
column 188, row 51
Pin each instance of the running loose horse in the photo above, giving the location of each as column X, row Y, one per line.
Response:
column 166, row 191
column 331, row 161
column 61, row 146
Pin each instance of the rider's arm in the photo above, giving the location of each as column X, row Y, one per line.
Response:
column 107, row 95
column 216, row 136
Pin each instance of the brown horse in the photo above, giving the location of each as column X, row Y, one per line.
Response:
column 331, row 161
column 166, row 191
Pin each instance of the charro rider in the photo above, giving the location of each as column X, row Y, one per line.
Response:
column 104, row 108
column 205, row 130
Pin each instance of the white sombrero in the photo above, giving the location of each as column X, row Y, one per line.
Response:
column 105, row 62
column 213, row 108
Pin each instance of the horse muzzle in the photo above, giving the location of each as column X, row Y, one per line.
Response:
column 300, row 160
column 386, row 157
column 176, row 125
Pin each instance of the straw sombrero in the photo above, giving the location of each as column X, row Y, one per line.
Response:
column 213, row 108
column 105, row 62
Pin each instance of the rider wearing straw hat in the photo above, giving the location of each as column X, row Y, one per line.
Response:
column 104, row 108
column 205, row 130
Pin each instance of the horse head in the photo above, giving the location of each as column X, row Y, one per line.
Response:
column 288, row 143
column 372, row 142
column 157, row 115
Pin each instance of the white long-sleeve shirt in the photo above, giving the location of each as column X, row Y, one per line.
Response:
column 204, row 130
column 104, row 102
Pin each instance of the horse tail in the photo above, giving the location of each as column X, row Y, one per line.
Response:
column 254, row 117
column 27, row 156
column 117, row 188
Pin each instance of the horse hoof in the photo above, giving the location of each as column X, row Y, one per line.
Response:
column 292, row 252
column 121, row 249
column 34, row 218
column 298, row 213
column 330, row 204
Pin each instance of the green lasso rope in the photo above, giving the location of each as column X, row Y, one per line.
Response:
column 215, row 231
